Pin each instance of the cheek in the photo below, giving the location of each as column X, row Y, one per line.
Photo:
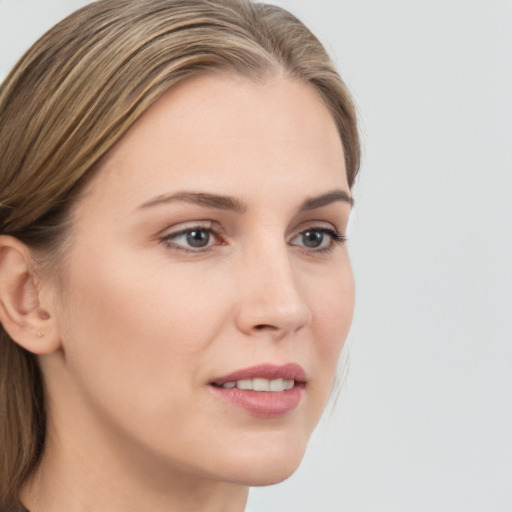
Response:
column 333, row 309
column 130, row 330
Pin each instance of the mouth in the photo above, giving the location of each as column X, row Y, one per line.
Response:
column 264, row 391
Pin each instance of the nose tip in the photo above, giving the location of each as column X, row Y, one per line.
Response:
column 274, row 322
column 283, row 319
column 273, row 306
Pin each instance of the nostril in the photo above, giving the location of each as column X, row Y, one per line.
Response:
column 263, row 327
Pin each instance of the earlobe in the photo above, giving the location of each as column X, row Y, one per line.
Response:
column 25, row 319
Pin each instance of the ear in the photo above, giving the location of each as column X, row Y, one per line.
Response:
column 25, row 318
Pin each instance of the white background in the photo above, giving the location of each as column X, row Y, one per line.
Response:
column 424, row 421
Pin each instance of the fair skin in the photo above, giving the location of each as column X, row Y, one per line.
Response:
column 144, row 315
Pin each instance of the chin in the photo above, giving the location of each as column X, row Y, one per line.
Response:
column 266, row 475
column 257, row 468
column 274, row 476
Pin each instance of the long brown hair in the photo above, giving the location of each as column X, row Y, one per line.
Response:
column 76, row 92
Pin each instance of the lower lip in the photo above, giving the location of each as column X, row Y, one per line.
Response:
column 263, row 404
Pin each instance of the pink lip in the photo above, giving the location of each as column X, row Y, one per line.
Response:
column 263, row 404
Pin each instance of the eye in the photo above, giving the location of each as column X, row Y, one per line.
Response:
column 192, row 239
column 196, row 238
column 318, row 239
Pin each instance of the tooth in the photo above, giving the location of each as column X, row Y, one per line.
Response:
column 276, row 385
column 244, row 384
column 260, row 384
column 288, row 383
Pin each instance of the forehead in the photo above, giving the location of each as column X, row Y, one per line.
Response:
column 230, row 135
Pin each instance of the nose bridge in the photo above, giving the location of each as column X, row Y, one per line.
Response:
column 271, row 296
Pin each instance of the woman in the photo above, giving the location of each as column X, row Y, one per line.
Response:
column 175, row 288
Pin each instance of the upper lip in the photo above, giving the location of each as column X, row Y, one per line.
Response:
column 265, row 371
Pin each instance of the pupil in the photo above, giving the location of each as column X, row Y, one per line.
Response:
column 198, row 238
column 313, row 238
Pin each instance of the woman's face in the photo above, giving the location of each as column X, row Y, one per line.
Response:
column 207, row 256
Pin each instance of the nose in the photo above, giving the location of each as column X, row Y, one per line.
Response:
column 271, row 302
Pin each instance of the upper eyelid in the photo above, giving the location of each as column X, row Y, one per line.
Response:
column 315, row 224
column 332, row 233
column 183, row 227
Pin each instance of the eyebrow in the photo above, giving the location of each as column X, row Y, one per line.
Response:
column 236, row 205
column 200, row 199
column 326, row 199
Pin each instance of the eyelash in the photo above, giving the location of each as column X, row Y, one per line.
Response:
column 335, row 238
column 167, row 240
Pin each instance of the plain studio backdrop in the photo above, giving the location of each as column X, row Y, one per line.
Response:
column 424, row 420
